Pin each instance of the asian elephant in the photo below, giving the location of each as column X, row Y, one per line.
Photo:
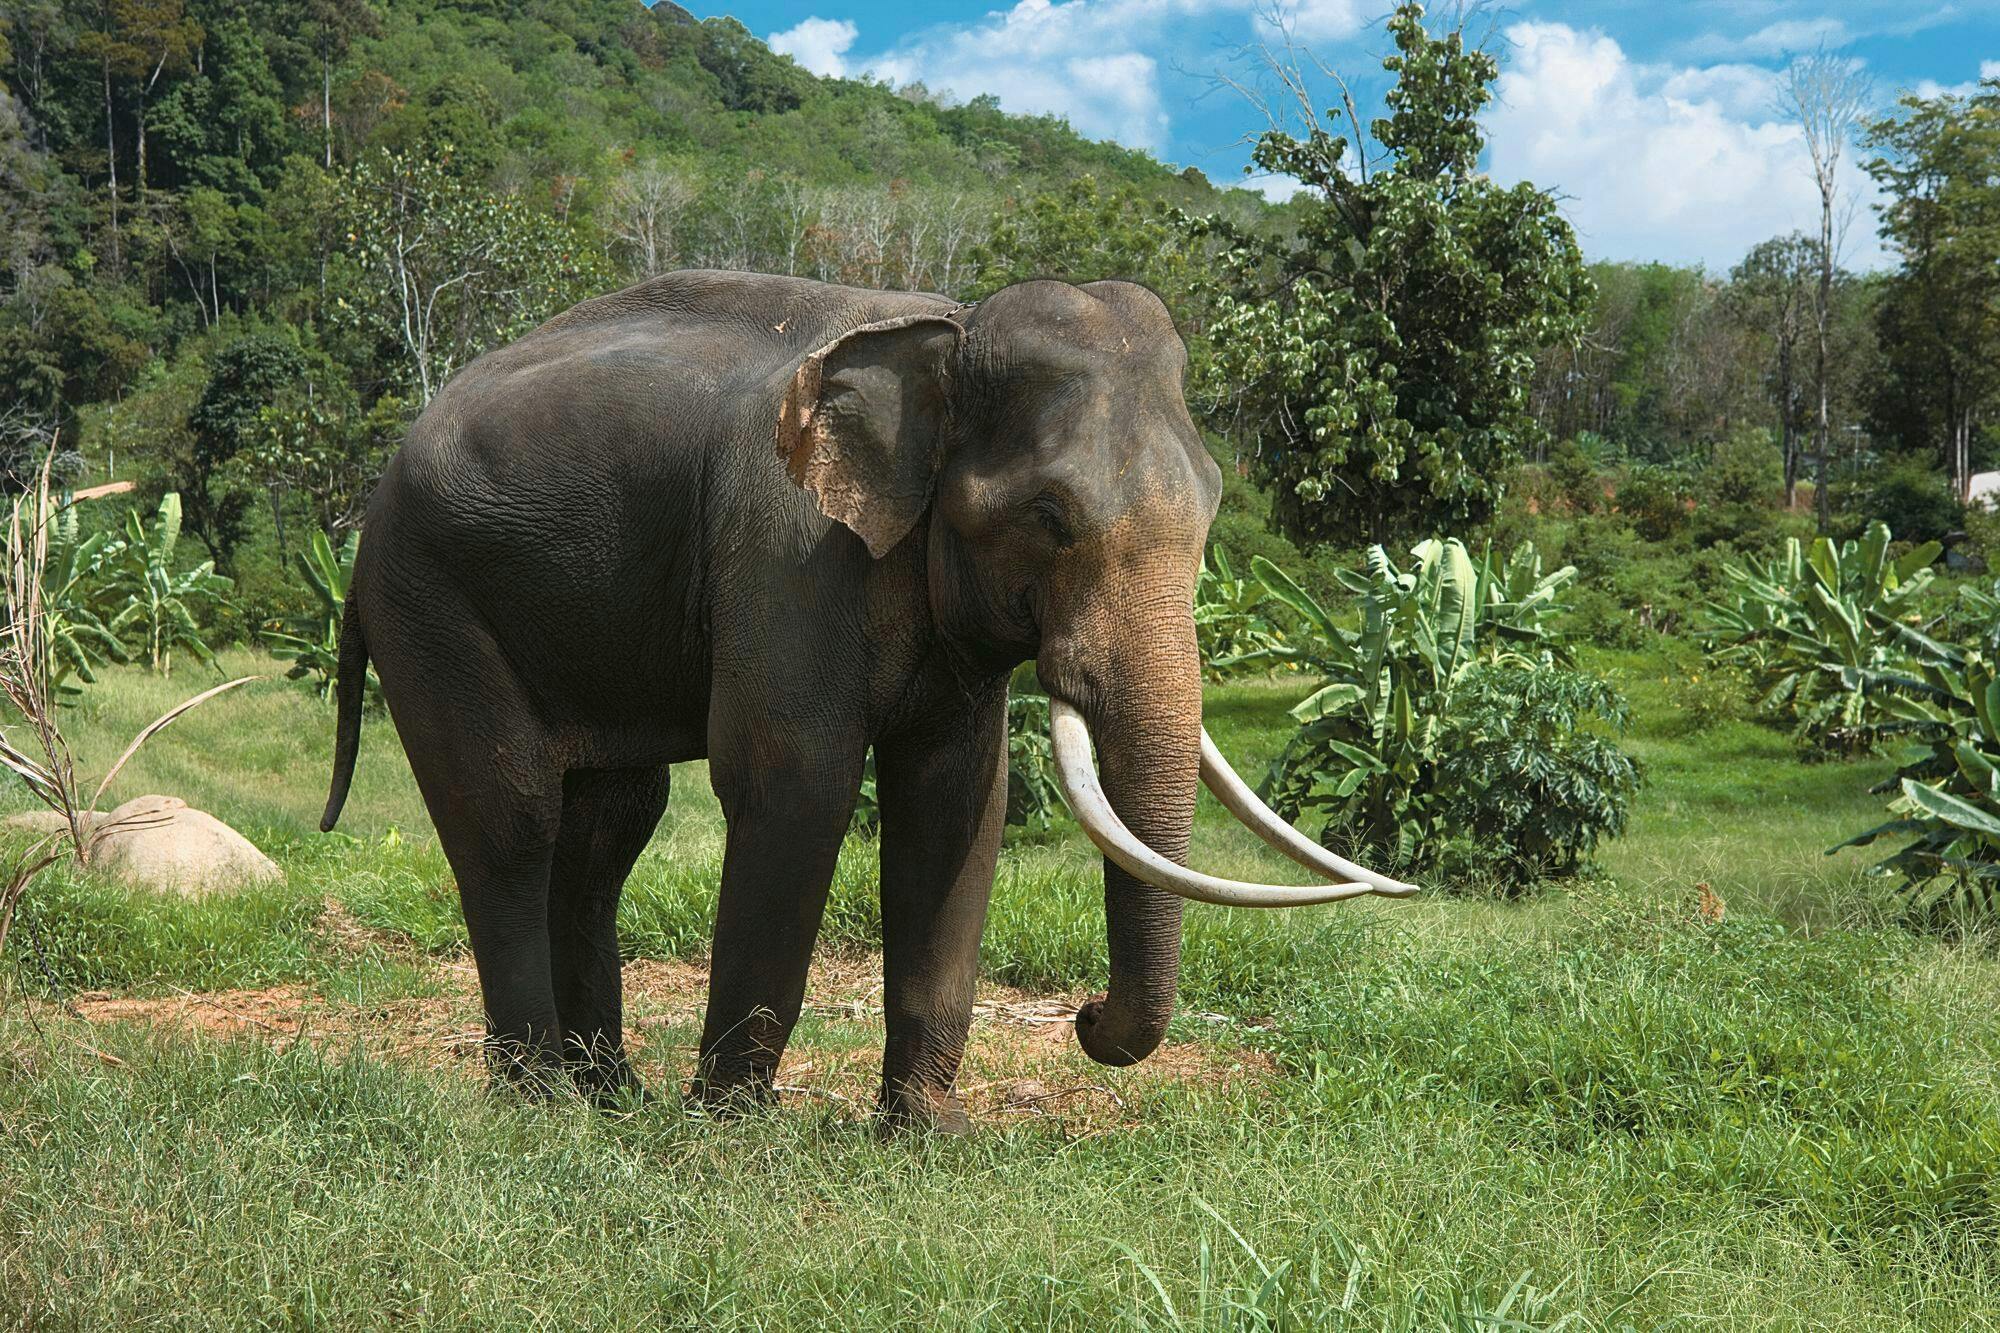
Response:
column 773, row 523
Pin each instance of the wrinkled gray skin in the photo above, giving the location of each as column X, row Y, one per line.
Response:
column 658, row 529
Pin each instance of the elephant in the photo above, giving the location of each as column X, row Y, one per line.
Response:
column 773, row 523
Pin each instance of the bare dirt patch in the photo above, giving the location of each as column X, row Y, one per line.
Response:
column 1022, row 1063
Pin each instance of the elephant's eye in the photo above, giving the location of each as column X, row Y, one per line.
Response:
column 1048, row 511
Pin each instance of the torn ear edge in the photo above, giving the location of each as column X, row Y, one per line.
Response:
column 813, row 462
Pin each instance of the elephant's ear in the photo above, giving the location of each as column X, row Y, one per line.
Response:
column 859, row 426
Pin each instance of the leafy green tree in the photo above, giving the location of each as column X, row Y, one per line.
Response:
column 1771, row 289
column 1386, row 383
column 1939, row 164
column 315, row 444
column 436, row 270
column 1082, row 232
column 247, row 376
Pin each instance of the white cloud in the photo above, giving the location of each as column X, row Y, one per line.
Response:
column 819, row 44
column 1277, row 189
column 1657, row 163
column 1095, row 62
column 1785, row 37
column 1312, row 20
column 1988, row 69
column 1746, row 91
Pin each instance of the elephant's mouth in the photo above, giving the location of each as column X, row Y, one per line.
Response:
column 1070, row 736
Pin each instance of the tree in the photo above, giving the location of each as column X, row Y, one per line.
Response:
column 138, row 41
column 1939, row 324
column 645, row 208
column 247, row 376
column 1828, row 94
column 335, row 24
column 437, row 270
column 1770, row 288
column 1081, row 232
column 1385, row 383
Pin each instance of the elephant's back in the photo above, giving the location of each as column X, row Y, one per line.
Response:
column 579, row 486
column 644, row 381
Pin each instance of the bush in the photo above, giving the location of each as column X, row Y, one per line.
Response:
column 1910, row 496
column 1528, row 748
column 1655, row 501
column 1574, row 476
column 1449, row 732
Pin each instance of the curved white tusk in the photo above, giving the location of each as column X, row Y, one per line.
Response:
column 1237, row 797
column 1074, row 769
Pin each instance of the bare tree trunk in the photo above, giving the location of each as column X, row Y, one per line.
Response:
column 111, row 159
column 326, row 93
column 1823, row 313
column 1787, row 429
column 1828, row 95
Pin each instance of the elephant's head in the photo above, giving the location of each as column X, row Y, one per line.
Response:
column 1045, row 435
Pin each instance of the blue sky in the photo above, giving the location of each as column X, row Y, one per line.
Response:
column 1655, row 119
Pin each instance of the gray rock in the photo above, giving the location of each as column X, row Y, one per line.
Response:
column 161, row 843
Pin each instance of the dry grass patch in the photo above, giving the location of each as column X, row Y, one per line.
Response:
column 1022, row 1063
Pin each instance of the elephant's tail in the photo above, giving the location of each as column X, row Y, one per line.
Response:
column 350, row 686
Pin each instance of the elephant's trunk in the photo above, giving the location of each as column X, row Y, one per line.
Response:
column 1147, row 725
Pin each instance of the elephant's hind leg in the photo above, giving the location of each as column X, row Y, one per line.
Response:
column 608, row 816
column 482, row 760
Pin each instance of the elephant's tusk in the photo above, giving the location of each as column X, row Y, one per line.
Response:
column 1078, row 775
column 1237, row 797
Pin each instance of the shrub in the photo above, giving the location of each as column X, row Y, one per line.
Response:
column 1449, row 731
column 1816, row 631
column 1704, row 698
column 1911, row 497
column 1654, row 500
column 1529, row 746
column 1574, row 476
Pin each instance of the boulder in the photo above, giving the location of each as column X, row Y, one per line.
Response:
column 162, row 843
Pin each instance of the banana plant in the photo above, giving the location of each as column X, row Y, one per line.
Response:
column 74, row 584
column 1374, row 738
column 160, row 601
column 312, row 642
column 1231, row 616
column 1819, row 629
column 1947, row 801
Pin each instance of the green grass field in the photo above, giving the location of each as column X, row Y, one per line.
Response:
column 1592, row 1108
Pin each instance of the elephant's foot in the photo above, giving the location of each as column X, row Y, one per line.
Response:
column 727, row 1091
column 905, row 1106
column 610, row 1085
column 531, row 1072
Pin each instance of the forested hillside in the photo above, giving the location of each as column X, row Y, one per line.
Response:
column 244, row 244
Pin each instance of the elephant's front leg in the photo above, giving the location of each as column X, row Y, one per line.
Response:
column 943, row 793
column 787, row 818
